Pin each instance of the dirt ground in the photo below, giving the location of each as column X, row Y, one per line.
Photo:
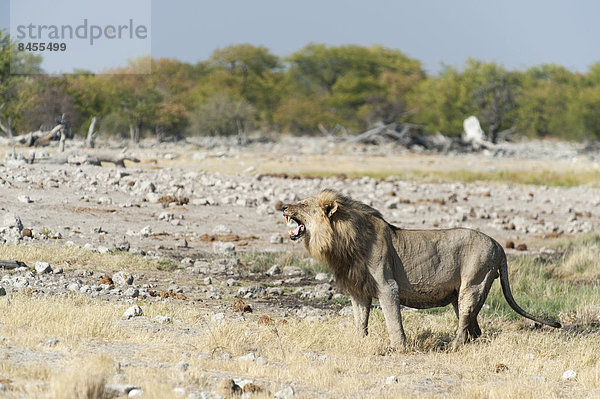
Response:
column 198, row 210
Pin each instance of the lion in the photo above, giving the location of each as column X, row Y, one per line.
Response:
column 422, row 269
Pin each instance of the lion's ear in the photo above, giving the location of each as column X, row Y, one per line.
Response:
column 329, row 207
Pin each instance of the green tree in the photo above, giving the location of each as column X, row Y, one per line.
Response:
column 12, row 84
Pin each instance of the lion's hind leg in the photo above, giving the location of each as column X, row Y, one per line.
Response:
column 473, row 329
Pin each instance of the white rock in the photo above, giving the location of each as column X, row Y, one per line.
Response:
column 166, row 216
column 182, row 366
column 153, row 198
column 42, row 267
column 122, row 278
column 292, row 271
column 323, row 277
column 250, row 357
column 273, row 270
column 136, row 393
column 221, row 229
column 73, row 287
column 569, row 375
column 392, row 379
column 12, row 220
column 132, row 311
column 217, row 317
column 24, row 199
column 102, row 249
column 473, row 133
column 224, row 248
column 162, row 319
column 285, row 393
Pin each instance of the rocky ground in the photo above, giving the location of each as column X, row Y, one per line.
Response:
column 208, row 226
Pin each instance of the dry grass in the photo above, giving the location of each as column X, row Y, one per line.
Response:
column 72, row 258
column 322, row 356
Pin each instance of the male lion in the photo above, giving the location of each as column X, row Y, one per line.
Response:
column 417, row 268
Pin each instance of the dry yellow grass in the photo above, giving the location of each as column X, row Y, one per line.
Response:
column 89, row 331
column 321, row 356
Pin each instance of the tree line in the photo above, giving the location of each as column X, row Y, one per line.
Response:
column 243, row 88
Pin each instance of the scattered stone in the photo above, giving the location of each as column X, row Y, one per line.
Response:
column 392, row 379
column 323, row 277
column 182, row 366
column 136, row 393
column 12, row 221
column 228, row 388
column 276, row 239
column 42, row 267
column 2, row 291
column 117, row 390
column 123, row 246
column 162, row 319
column 208, row 281
column 232, row 283
column 133, row 311
column 102, row 249
column 509, row 244
column 224, row 248
column 122, row 278
column 221, row 229
column 74, row 287
column 274, row 270
column 285, row 393
column 292, row 271
column 569, row 375
column 24, row 199
column 131, row 292
column 521, row 247
column 49, row 342
column 26, row 233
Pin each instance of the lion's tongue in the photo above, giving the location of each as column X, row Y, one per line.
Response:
column 296, row 231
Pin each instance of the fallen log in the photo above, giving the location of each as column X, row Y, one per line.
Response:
column 117, row 159
column 11, row 264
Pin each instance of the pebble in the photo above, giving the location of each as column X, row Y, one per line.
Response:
column 136, row 393
column 132, row 311
column 569, row 375
column 286, row 393
column 292, row 271
column 224, row 248
column 392, row 379
column 274, row 270
column 122, row 278
column 2, row 291
column 182, row 366
column 276, row 239
column 42, row 267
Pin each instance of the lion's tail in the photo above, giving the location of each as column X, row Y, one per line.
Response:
column 513, row 304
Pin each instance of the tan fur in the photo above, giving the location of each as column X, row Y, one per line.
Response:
column 371, row 258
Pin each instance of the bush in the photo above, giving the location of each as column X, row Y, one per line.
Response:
column 222, row 116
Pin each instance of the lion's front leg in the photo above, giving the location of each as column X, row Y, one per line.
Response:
column 391, row 307
column 361, row 308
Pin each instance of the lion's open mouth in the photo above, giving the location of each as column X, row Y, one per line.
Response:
column 298, row 231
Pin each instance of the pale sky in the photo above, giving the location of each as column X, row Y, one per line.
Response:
column 515, row 33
